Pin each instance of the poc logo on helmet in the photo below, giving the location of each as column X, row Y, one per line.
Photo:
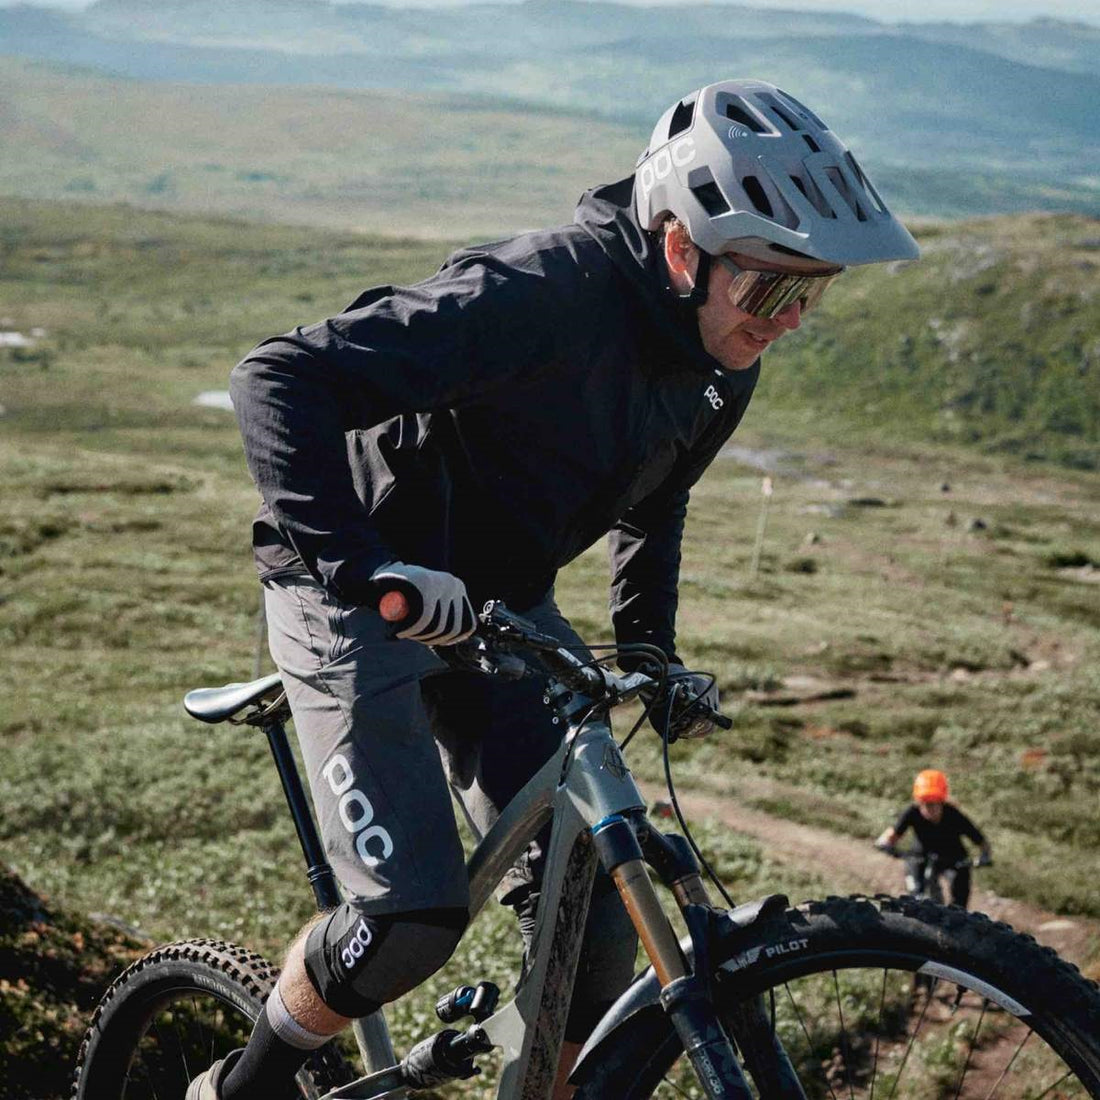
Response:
column 356, row 811
column 358, row 943
column 659, row 166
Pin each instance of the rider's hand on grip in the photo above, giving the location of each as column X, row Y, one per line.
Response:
column 689, row 707
column 438, row 609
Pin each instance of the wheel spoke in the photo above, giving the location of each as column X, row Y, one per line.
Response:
column 1004, row 1072
column 163, row 1048
column 182, row 1049
column 970, row 1047
column 199, row 1024
column 845, row 1046
column 1054, row 1085
column 805, row 1031
column 878, row 1033
column 672, row 1084
column 909, row 1047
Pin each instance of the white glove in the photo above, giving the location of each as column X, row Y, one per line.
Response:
column 446, row 615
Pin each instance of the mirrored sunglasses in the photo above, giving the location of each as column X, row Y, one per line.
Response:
column 767, row 293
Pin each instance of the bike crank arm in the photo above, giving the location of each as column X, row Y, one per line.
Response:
column 684, row 996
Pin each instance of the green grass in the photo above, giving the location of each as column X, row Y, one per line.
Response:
column 126, row 579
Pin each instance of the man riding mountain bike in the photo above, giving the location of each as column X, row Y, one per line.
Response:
column 939, row 828
column 466, row 437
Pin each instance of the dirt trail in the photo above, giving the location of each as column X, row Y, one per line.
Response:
column 850, row 866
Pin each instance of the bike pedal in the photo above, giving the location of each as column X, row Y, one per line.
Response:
column 478, row 1001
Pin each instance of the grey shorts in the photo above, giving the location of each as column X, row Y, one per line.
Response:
column 388, row 733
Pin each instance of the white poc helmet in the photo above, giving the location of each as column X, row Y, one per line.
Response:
column 742, row 161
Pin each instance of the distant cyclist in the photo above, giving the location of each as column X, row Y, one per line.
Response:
column 939, row 828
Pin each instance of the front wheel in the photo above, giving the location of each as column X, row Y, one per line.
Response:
column 172, row 1014
column 1006, row 1017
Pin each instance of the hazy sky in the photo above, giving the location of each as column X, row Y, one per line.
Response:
column 889, row 11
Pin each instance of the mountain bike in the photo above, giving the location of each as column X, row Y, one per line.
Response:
column 925, row 872
column 758, row 999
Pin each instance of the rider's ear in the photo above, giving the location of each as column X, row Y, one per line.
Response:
column 681, row 257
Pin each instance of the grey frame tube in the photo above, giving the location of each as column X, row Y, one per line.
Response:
column 585, row 781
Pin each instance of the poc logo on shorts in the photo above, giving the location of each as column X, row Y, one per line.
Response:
column 659, row 166
column 359, row 942
column 356, row 812
column 711, row 394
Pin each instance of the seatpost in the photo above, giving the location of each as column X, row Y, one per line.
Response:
column 318, row 871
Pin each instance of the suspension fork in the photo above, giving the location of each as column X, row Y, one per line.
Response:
column 685, row 996
column 749, row 1023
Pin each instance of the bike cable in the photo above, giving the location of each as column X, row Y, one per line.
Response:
column 703, row 862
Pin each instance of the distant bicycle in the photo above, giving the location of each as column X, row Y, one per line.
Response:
column 758, row 1000
column 928, row 875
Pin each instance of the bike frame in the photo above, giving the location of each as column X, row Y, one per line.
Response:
column 585, row 783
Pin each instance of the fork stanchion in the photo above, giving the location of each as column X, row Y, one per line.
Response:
column 621, row 856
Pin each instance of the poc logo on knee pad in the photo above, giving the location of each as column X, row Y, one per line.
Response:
column 356, row 812
column 357, row 944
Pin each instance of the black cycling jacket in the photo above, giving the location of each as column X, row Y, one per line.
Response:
column 499, row 417
column 944, row 838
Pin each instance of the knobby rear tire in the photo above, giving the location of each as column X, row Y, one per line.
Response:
column 835, row 944
column 174, row 1012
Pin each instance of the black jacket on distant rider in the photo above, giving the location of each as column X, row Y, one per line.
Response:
column 942, row 838
column 499, row 417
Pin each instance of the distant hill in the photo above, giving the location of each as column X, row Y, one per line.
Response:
column 404, row 165
column 991, row 339
column 1051, row 43
column 1006, row 113
column 426, row 165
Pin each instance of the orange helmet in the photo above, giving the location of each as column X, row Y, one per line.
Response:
column 930, row 786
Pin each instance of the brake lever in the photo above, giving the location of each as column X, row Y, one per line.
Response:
column 692, row 710
column 474, row 655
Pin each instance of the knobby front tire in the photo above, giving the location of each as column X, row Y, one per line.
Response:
column 172, row 1014
column 1005, row 1018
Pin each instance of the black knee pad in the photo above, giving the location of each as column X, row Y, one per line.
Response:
column 357, row 962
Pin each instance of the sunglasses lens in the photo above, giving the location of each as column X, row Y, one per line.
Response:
column 767, row 293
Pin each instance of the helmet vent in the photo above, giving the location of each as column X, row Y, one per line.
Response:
column 738, row 111
column 814, row 195
column 757, row 195
column 713, row 201
column 814, row 147
column 868, row 189
column 784, row 115
column 802, row 109
column 681, row 118
column 841, row 184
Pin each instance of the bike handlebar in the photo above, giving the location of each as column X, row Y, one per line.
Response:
column 490, row 650
column 895, row 853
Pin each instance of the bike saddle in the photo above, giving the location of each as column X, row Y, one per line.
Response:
column 221, row 704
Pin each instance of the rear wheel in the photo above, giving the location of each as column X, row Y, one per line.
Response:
column 1006, row 1017
column 172, row 1014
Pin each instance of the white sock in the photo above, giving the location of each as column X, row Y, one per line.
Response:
column 287, row 1028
